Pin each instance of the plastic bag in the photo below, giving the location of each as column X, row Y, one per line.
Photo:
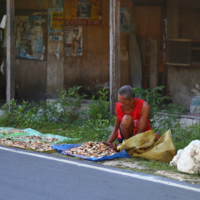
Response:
column 195, row 104
column 195, row 101
column 144, row 146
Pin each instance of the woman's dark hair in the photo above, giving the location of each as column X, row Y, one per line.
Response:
column 127, row 92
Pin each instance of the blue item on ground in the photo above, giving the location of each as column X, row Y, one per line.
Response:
column 63, row 147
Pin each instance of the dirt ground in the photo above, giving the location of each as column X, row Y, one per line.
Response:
column 169, row 174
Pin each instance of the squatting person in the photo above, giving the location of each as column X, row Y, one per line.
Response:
column 132, row 117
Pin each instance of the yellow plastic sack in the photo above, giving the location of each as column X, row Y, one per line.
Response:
column 144, row 146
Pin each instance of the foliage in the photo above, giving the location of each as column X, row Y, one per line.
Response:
column 63, row 110
column 66, row 109
column 98, row 109
column 19, row 115
column 168, row 118
column 94, row 130
column 153, row 97
column 96, row 123
column 182, row 137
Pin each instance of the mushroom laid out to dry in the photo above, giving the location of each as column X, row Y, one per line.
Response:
column 10, row 131
column 91, row 149
column 35, row 145
column 36, row 138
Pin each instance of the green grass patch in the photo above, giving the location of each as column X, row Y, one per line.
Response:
column 95, row 124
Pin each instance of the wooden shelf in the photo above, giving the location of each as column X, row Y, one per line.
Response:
column 183, row 52
column 196, row 48
column 180, row 40
column 178, row 64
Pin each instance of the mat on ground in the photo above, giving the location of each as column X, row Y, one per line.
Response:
column 15, row 134
column 62, row 148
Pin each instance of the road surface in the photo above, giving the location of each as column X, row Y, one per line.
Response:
column 27, row 175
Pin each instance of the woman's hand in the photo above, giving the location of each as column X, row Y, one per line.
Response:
column 111, row 145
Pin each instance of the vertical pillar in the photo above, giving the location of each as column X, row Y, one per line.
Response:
column 114, row 52
column 10, row 51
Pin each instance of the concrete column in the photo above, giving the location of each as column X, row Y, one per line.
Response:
column 114, row 52
column 10, row 51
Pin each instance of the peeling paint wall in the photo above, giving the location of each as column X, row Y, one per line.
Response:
column 93, row 66
column 55, row 69
column 31, row 75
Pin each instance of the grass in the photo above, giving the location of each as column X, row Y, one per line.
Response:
column 81, row 129
column 151, row 166
column 94, row 126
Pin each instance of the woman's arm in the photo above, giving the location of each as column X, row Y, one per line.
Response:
column 113, row 135
column 144, row 115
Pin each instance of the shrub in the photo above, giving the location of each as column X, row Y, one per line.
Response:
column 156, row 102
column 63, row 110
column 99, row 109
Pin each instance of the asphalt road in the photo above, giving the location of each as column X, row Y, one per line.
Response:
column 28, row 177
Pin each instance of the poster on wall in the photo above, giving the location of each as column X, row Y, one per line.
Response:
column 56, row 20
column 73, row 41
column 83, row 12
column 57, row 3
column 30, row 36
column 55, row 24
column 125, row 19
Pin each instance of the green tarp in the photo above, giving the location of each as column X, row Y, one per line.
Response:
column 12, row 133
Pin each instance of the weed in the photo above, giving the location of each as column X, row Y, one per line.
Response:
column 153, row 98
column 170, row 113
column 63, row 110
column 182, row 137
column 98, row 109
column 61, row 116
column 19, row 115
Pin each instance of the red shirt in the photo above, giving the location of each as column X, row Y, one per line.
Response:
column 135, row 114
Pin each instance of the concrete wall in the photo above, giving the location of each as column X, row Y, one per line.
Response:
column 183, row 23
column 31, row 79
column 35, row 78
column 184, row 121
column 85, row 71
column 93, row 66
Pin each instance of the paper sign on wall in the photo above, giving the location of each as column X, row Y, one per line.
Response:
column 83, row 12
column 30, row 34
column 125, row 18
column 55, row 24
column 73, row 41
column 57, row 20
column 57, row 3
